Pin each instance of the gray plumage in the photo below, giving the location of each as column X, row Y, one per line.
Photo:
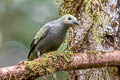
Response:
column 51, row 35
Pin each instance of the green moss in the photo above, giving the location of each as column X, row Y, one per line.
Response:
column 31, row 64
column 47, row 63
column 68, row 0
column 93, row 10
column 92, row 52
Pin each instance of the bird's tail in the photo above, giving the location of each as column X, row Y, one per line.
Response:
column 32, row 55
column 30, row 52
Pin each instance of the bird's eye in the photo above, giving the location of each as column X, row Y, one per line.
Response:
column 69, row 18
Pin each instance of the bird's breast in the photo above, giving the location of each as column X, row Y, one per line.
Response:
column 52, row 40
column 57, row 35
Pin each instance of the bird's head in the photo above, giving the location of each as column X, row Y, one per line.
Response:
column 69, row 20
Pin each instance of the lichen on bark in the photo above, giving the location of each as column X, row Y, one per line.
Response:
column 97, row 32
column 91, row 15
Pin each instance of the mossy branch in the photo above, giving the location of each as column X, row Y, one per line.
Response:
column 55, row 61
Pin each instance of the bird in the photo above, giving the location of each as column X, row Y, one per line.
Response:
column 51, row 35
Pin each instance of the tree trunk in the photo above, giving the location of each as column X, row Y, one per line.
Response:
column 99, row 31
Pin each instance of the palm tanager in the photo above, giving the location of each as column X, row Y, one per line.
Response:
column 51, row 36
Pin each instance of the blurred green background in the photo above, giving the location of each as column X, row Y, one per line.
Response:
column 19, row 21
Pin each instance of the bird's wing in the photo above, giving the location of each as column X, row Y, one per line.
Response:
column 38, row 37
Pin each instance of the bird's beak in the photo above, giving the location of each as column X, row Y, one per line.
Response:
column 76, row 22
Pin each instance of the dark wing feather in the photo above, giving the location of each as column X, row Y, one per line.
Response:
column 39, row 36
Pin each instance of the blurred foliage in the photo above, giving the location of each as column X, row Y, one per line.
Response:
column 19, row 21
column 59, row 76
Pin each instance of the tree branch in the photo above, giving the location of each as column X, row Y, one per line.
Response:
column 53, row 62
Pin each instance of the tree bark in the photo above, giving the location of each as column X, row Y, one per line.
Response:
column 30, row 70
column 99, row 31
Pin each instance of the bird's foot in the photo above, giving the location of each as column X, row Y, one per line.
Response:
column 42, row 55
column 38, row 54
